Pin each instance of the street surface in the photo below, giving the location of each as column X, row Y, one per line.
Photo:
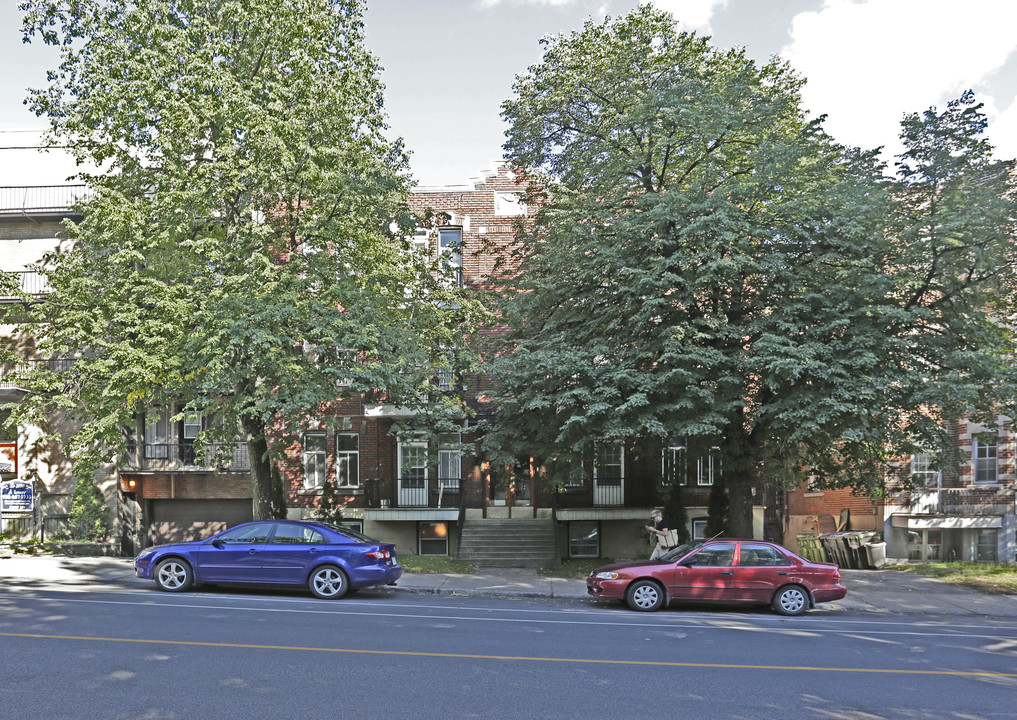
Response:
column 140, row 653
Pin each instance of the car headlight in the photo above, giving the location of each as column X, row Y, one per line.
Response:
column 607, row 576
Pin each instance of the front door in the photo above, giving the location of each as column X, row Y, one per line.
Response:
column 609, row 476
column 234, row 555
column 412, row 474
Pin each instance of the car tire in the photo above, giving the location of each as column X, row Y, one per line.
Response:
column 644, row 596
column 791, row 600
column 173, row 575
column 328, row 582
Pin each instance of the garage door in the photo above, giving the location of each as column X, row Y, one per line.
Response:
column 179, row 520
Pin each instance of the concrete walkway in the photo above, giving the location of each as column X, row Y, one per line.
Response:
column 874, row 591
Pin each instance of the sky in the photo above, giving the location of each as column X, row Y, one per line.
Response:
column 449, row 64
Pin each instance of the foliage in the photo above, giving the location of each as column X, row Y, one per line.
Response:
column 675, row 513
column 575, row 568
column 710, row 265
column 994, row 578
column 278, row 494
column 717, row 510
column 89, row 512
column 330, row 504
column 239, row 257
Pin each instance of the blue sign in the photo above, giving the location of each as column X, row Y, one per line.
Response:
column 17, row 496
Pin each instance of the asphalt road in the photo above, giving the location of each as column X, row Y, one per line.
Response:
column 139, row 653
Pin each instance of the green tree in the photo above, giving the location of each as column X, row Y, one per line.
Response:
column 709, row 264
column 238, row 254
column 89, row 512
column 717, row 511
column 675, row 512
column 330, row 505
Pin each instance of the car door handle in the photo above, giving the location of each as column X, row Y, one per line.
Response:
column 782, row 573
column 313, row 550
column 252, row 551
column 727, row 572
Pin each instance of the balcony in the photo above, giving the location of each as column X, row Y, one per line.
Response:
column 41, row 199
column 411, row 492
column 186, row 457
column 32, row 283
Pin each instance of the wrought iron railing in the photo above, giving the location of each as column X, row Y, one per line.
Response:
column 227, row 457
column 34, row 199
column 411, row 492
column 960, row 501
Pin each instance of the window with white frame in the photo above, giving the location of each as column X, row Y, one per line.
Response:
column 157, row 433
column 191, row 425
column 314, row 460
column 699, row 528
column 413, row 463
column 450, row 464
column 347, row 460
column 986, row 461
column 923, row 470
column 450, row 252
column 610, row 465
column 706, row 466
column 672, row 463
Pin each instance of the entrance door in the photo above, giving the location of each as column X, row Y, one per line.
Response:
column 609, row 476
column 412, row 474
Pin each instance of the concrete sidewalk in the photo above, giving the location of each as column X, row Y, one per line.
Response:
column 873, row 591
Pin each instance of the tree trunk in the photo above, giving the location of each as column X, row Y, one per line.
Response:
column 261, row 470
column 740, row 477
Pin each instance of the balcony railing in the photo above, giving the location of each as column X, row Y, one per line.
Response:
column 41, row 199
column 32, row 282
column 412, row 493
column 962, row 501
column 170, row 457
column 14, row 376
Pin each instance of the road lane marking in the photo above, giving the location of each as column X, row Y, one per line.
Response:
column 514, row 658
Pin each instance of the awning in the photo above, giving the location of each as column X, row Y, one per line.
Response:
column 945, row 522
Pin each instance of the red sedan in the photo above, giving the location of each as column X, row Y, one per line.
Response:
column 721, row 571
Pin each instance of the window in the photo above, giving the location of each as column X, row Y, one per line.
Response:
column 433, row 538
column 450, row 468
column 986, row 462
column 987, row 545
column 355, row 525
column 296, row 535
column 610, row 466
column 450, row 252
column 347, row 461
column 191, row 425
column 699, row 529
column 157, row 434
column 760, row 555
column 314, row 460
column 584, row 539
column 923, row 471
column 246, row 534
column 413, row 464
column 720, row 555
column 672, row 464
column 705, row 467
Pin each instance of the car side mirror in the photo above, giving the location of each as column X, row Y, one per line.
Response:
column 218, row 542
column 688, row 563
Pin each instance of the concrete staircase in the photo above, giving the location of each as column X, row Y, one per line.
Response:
column 525, row 543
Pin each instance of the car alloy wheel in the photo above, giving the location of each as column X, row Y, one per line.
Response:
column 791, row 600
column 328, row 582
column 173, row 575
column 645, row 596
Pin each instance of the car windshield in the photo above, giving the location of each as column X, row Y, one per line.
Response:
column 680, row 551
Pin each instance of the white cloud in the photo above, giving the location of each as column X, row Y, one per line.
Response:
column 691, row 14
column 869, row 63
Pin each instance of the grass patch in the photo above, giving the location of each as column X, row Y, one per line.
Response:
column 435, row 564
column 574, row 568
column 993, row 578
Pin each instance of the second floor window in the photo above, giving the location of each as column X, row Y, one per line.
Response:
column 986, row 462
column 923, row 471
column 157, row 433
column 450, row 252
column 610, row 467
column 314, row 460
column 413, row 464
column 347, row 461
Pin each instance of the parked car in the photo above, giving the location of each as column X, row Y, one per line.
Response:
column 327, row 559
column 721, row 571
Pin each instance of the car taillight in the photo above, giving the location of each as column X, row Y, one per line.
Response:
column 379, row 554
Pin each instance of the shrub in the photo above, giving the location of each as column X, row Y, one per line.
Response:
column 89, row 513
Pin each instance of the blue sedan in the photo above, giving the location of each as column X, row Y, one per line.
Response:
column 327, row 559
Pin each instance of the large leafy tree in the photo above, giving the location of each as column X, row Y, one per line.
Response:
column 709, row 265
column 238, row 253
